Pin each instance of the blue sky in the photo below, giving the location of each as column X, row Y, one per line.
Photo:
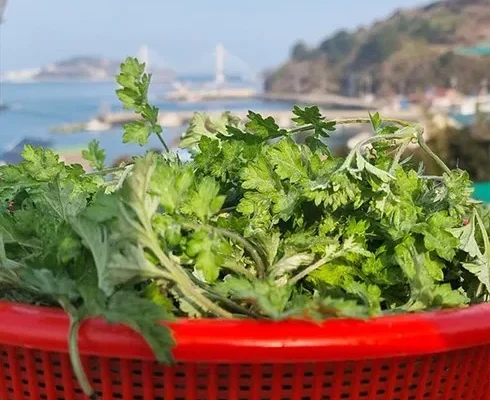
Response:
column 180, row 33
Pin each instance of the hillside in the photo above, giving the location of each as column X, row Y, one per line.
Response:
column 409, row 51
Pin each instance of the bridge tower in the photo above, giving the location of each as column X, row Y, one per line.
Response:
column 220, row 65
column 3, row 6
column 144, row 56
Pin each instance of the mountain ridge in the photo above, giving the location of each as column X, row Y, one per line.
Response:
column 80, row 68
column 408, row 51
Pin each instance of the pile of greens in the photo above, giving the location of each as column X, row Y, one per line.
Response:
column 253, row 226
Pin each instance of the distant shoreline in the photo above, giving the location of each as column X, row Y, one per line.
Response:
column 56, row 81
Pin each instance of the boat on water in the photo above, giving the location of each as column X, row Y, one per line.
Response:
column 210, row 93
column 3, row 106
column 96, row 125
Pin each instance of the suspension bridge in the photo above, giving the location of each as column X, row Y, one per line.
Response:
column 220, row 87
column 211, row 63
column 249, row 86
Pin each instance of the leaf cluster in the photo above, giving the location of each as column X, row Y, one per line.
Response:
column 255, row 225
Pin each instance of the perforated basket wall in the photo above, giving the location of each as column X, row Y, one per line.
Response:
column 458, row 375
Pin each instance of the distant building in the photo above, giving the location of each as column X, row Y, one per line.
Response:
column 443, row 99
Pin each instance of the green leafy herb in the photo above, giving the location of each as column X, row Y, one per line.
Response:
column 133, row 94
column 254, row 225
column 95, row 155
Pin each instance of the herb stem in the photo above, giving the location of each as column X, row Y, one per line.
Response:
column 349, row 121
column 431, row 177
column 305, row 128
column 239, row 270
column 227, row 210
column 372, row 139
column 426, row 148
column 248, row 246
column 234, row 306
column 160, row 137
column 229, row 303
column 73, row 349
column 186, row 284
column 76, row 361
column 237, row 238
column 108, row 171
column 484, row 233
column 398, row 156
column 295, row 279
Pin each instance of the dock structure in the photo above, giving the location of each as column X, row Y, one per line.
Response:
column 224, row 93
column 283, row 118
column 211, row 94
column 322, row 99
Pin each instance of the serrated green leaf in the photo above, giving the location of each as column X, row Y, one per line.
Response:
column 437, row 235
column 271, row 299
column 287, row 161
column 205, row 201
column 260, row 176
column 94, row 237
column 290, row 264
column 41, row 164
column 49, row 284
column 362, row 165
column 369, row 294
column 125, row 265
column 481, row 269
column 445, row 296
column 209, row 252
column 95, row 155
column 156, row 295
column 171, row 183
column 434, row 266
column 136, row 132
column 316, row 145
column 375, row 121
column 480, row 265
column 60, row 200
column 265, row 128
column 258, row 207
column 144, row 317
column 412, row 265
column 104, row 207
column 311, row 115
column 466, row 236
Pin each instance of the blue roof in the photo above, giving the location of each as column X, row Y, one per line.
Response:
column 482, row 191
column 478, row 50
column 463, row 120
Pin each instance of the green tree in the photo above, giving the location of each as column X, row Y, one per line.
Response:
column 338, row 47
column 379, row 46
column 300, row 51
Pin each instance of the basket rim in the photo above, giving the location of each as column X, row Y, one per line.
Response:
column 249, row 341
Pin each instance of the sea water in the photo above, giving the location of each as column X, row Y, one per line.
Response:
column 34, row 108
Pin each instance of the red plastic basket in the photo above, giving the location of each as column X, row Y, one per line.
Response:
column 439, row 355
